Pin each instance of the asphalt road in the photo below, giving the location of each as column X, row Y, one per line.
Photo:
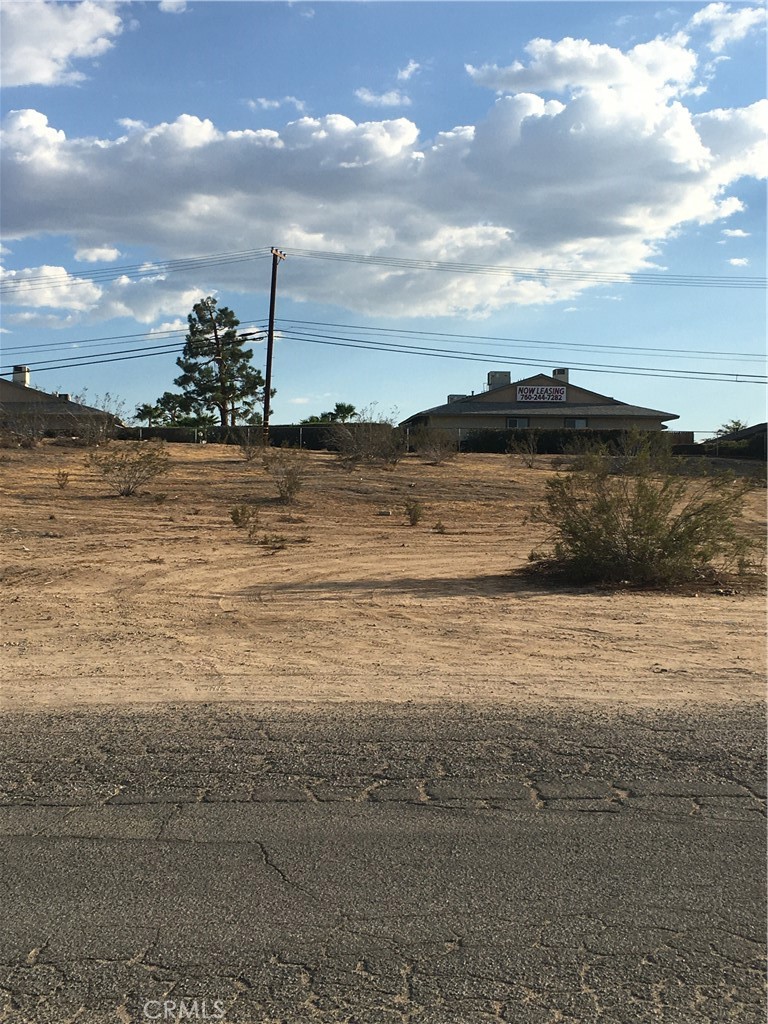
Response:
column 383, row 865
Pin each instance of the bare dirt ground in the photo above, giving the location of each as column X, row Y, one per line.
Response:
column 160, row 598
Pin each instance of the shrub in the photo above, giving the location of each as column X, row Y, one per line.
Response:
column 288, row 468
column 244, row 516
column 526, row 447
column 126, row 468
column 414, row 511
column 641, row 528
column 371, row 439
column 251, row 447
column 62, row 478
column 434, row 445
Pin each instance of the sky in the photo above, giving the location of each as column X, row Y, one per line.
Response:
column 457, row 188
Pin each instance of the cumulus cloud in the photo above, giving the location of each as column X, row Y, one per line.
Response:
column 98, row 254
column 40, row 41
column 739, row 262
column 727, row 24
column 592, row 180
column 735, row 233
column 47, row 286
column 660, row 69
column 392, row 98
column 410, row 69
column 172, row 6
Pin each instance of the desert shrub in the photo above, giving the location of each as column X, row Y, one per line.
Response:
column 414, row 511
column 527, row 447
column 439, row 527
column 251, row 447
column 371, row 439
column 126, row 468
column 586, row 454
column 21, row 429
column 639, row 452
column 288, row 468
column 62, row 478
column 243, row 516
column 641, row 528
column 434, row 445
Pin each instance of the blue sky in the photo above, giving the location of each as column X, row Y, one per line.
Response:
column 616, row 149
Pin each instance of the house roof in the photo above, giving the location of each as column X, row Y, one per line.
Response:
column 51, row 404
column 480, row 405
column 739, row 435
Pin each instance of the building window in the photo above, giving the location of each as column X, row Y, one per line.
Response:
column 518, row 423
column 576, row 424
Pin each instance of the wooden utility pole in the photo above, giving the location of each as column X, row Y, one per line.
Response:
column 276, row 257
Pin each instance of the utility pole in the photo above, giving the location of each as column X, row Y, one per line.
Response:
column 276, row 257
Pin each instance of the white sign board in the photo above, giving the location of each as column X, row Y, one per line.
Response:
column 540, row 393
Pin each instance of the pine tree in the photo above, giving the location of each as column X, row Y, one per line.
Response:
column 216, row 373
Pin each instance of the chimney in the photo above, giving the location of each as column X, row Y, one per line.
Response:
column 561, row 375
column 498, row 378
column 21, row 376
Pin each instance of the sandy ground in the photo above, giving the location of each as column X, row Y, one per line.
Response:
column 159, row 597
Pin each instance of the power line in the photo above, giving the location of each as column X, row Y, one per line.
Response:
column 446, row 337
column 491, row 339
column 35, row 282
column 418, row 350
column 640, row 371
column 540, row 273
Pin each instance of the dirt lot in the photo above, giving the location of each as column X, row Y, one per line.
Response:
column 159, row 597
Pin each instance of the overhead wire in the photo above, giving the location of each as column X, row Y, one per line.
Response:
column 35, row 282
column 380, row 345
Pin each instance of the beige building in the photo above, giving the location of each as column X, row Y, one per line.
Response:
column 27, row 410
column 540, row 402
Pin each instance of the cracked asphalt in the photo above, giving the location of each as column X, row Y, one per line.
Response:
column 384, row 865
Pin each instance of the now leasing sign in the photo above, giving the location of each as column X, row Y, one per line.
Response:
column 540, row 393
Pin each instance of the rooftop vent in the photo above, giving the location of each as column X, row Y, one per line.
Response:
column 21, row 376
column 455, row 398
column 498, row 378
column 561, row 375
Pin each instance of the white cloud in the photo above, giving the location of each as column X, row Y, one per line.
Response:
column 735, row 233
column 40, row 41
column 299, row 401
column 172, row 6
column 739, row 262
column 393, row 98
column 98, row 254
column 595, row 180
column 49, row 287
column 727, row 24
column 659, row 68
column 410, row 69
column 262, row 103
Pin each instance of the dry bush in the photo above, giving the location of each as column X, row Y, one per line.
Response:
column 62, row 478
column 527, row 448
column 243, row 516
column 642, row 528
column 288, row 468
column 21, row 428
column 126, row 468
column 251, row 448
column 414, row 511
column 434, row 445
column 371, row 439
